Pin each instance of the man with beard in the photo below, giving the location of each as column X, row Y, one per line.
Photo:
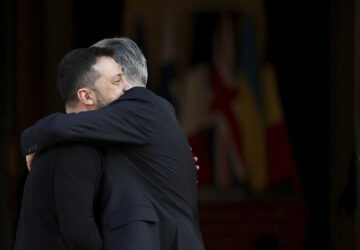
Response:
column 60, row 192
column 149, row 196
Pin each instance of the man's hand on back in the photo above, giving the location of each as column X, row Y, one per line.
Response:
column 29, row 160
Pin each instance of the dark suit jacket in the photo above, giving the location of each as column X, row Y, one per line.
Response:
column 57, row 206
column 150, row 190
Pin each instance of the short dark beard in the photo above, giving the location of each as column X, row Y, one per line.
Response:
column 100, row 102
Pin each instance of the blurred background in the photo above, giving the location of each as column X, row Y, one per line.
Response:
column 265, row 91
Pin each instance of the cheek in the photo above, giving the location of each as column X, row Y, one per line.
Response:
column 117, row 92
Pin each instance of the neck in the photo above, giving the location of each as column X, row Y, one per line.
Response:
column 137, row 85
column 79, row 107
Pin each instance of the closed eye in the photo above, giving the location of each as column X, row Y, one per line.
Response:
column 117, row 79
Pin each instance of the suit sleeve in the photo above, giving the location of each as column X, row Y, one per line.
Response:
column 76, row 182
column 123, row 121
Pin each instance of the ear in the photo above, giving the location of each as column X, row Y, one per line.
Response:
column 86, row 96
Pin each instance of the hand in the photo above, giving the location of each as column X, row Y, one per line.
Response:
column 195, row 159
column 29, row 160
column 197, row 166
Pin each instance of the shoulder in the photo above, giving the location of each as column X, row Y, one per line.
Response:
column 146, row 96
column 73, row 149
column 78, row 155
column 138, row 102
column 141, row 104
column 136, row 94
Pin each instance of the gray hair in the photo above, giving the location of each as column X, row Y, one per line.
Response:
column 129, row 56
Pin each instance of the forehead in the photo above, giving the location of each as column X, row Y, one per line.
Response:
column 107, row 65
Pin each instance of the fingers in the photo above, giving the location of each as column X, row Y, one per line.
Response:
column 29, row 160
column 28, row 164
column 196, row 159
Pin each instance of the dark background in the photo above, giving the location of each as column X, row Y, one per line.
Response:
column 310, row 43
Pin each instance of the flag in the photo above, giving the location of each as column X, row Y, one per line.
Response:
column 194, row 117
column 281, row 163
column 231, row 111
column 250, row 106
column 229, row 154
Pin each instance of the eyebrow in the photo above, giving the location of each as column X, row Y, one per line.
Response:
column 117, row 75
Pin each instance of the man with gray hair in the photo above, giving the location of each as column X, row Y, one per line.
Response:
column 149, row 196
column 129, row 56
